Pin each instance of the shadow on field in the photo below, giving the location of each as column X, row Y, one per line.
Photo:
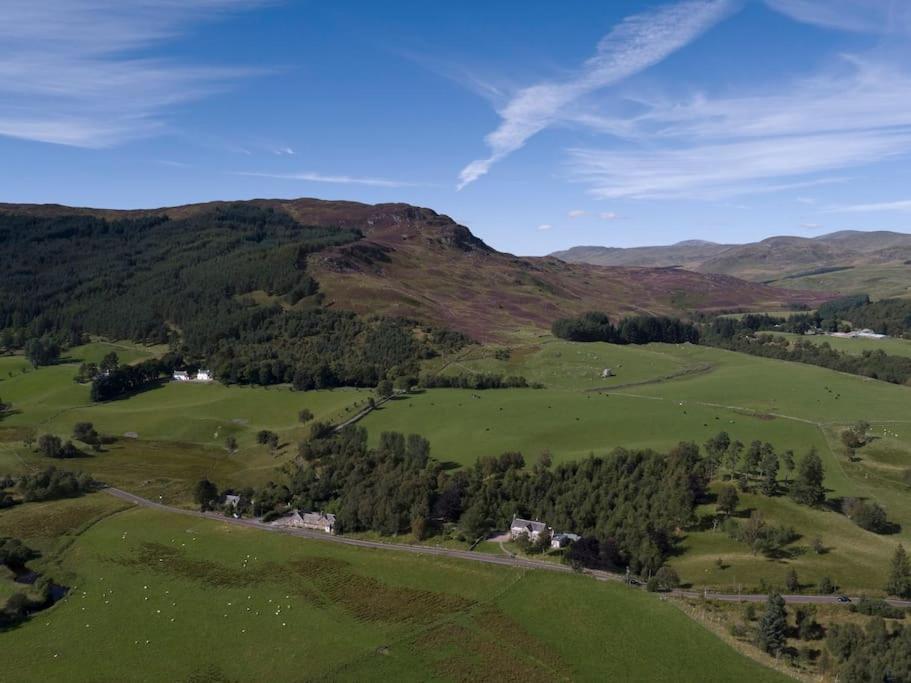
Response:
column 151, row 386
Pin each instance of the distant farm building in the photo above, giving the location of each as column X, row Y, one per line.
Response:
column 860, row 334
column 531, row 528
column 200, row 376
column 562, row 540
column 308, row 520
column 233, row 501
column 319, row 522
column 607, row 372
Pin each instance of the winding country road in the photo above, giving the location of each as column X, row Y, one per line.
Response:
column 463, row 554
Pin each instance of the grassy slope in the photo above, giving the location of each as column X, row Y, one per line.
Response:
column 879, row 281
column 433, row 270
column 172, row 598
column 856, row 346
column 791, row 405
column 181, row 427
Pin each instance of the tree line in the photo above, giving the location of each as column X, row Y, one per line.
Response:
column 627, row 505
column 51, row 484
column 640, row 329
column 875, row 364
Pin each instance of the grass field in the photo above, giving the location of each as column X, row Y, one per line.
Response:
column 157, row 596
column 879, row 281
column 661, row 394
column 168, row 437
column 857, row 345
column 791, row 405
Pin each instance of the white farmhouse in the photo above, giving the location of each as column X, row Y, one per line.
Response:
column 319, row 522
column 200, row 376
column 532, row 529
column 308, row 520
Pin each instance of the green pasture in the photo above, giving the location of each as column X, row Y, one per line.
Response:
column 463, row 425
column 661, row 395
column 49, row 400
column 168, row 437
column 791, row 405
column 856, row 345
column 157, row 596
column 559, row 364
column 854, row 559
column 879, row 281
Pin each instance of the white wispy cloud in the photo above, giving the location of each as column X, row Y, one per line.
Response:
column 811, row 226
column 576, row 213
column 545, row 226
column 860, row 16
column 900, row 205
column 72, row 72
column 727, row 169
column 608, row 216
column 335, row 179
column 638, row 42
column 283, row 152
column 855, row 113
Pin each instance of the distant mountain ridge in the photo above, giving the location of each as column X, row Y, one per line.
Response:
column 411, row 262
column 768, row 260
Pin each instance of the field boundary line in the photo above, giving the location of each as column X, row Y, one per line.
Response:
column 692, row 371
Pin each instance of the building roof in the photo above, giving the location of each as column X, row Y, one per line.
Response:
column 567, row 536
column 531, row 526
column 318, row 518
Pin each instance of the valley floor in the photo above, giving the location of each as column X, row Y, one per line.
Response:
column 195, row 599
column 234, row 603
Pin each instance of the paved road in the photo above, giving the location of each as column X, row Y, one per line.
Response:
column 795, row 599
column 361, row 543
column 463, row 554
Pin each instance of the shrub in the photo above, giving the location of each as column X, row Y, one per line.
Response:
column 877, row 608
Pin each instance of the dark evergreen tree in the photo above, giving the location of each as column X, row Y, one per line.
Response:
column 771, row 635
column 899, row 582
column 807, row 487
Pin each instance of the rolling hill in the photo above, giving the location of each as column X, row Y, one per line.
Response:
column 795, row 262
column 403, row 261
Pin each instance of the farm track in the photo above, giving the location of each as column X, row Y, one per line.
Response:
column 693, row 371
column 515, row 562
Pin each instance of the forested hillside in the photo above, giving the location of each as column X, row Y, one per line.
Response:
column 316, row 293
column 227, row 286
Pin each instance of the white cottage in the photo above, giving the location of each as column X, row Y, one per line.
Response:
column 308, row 520
column 531, row 528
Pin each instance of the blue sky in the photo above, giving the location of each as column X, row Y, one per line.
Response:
column 540, row 125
